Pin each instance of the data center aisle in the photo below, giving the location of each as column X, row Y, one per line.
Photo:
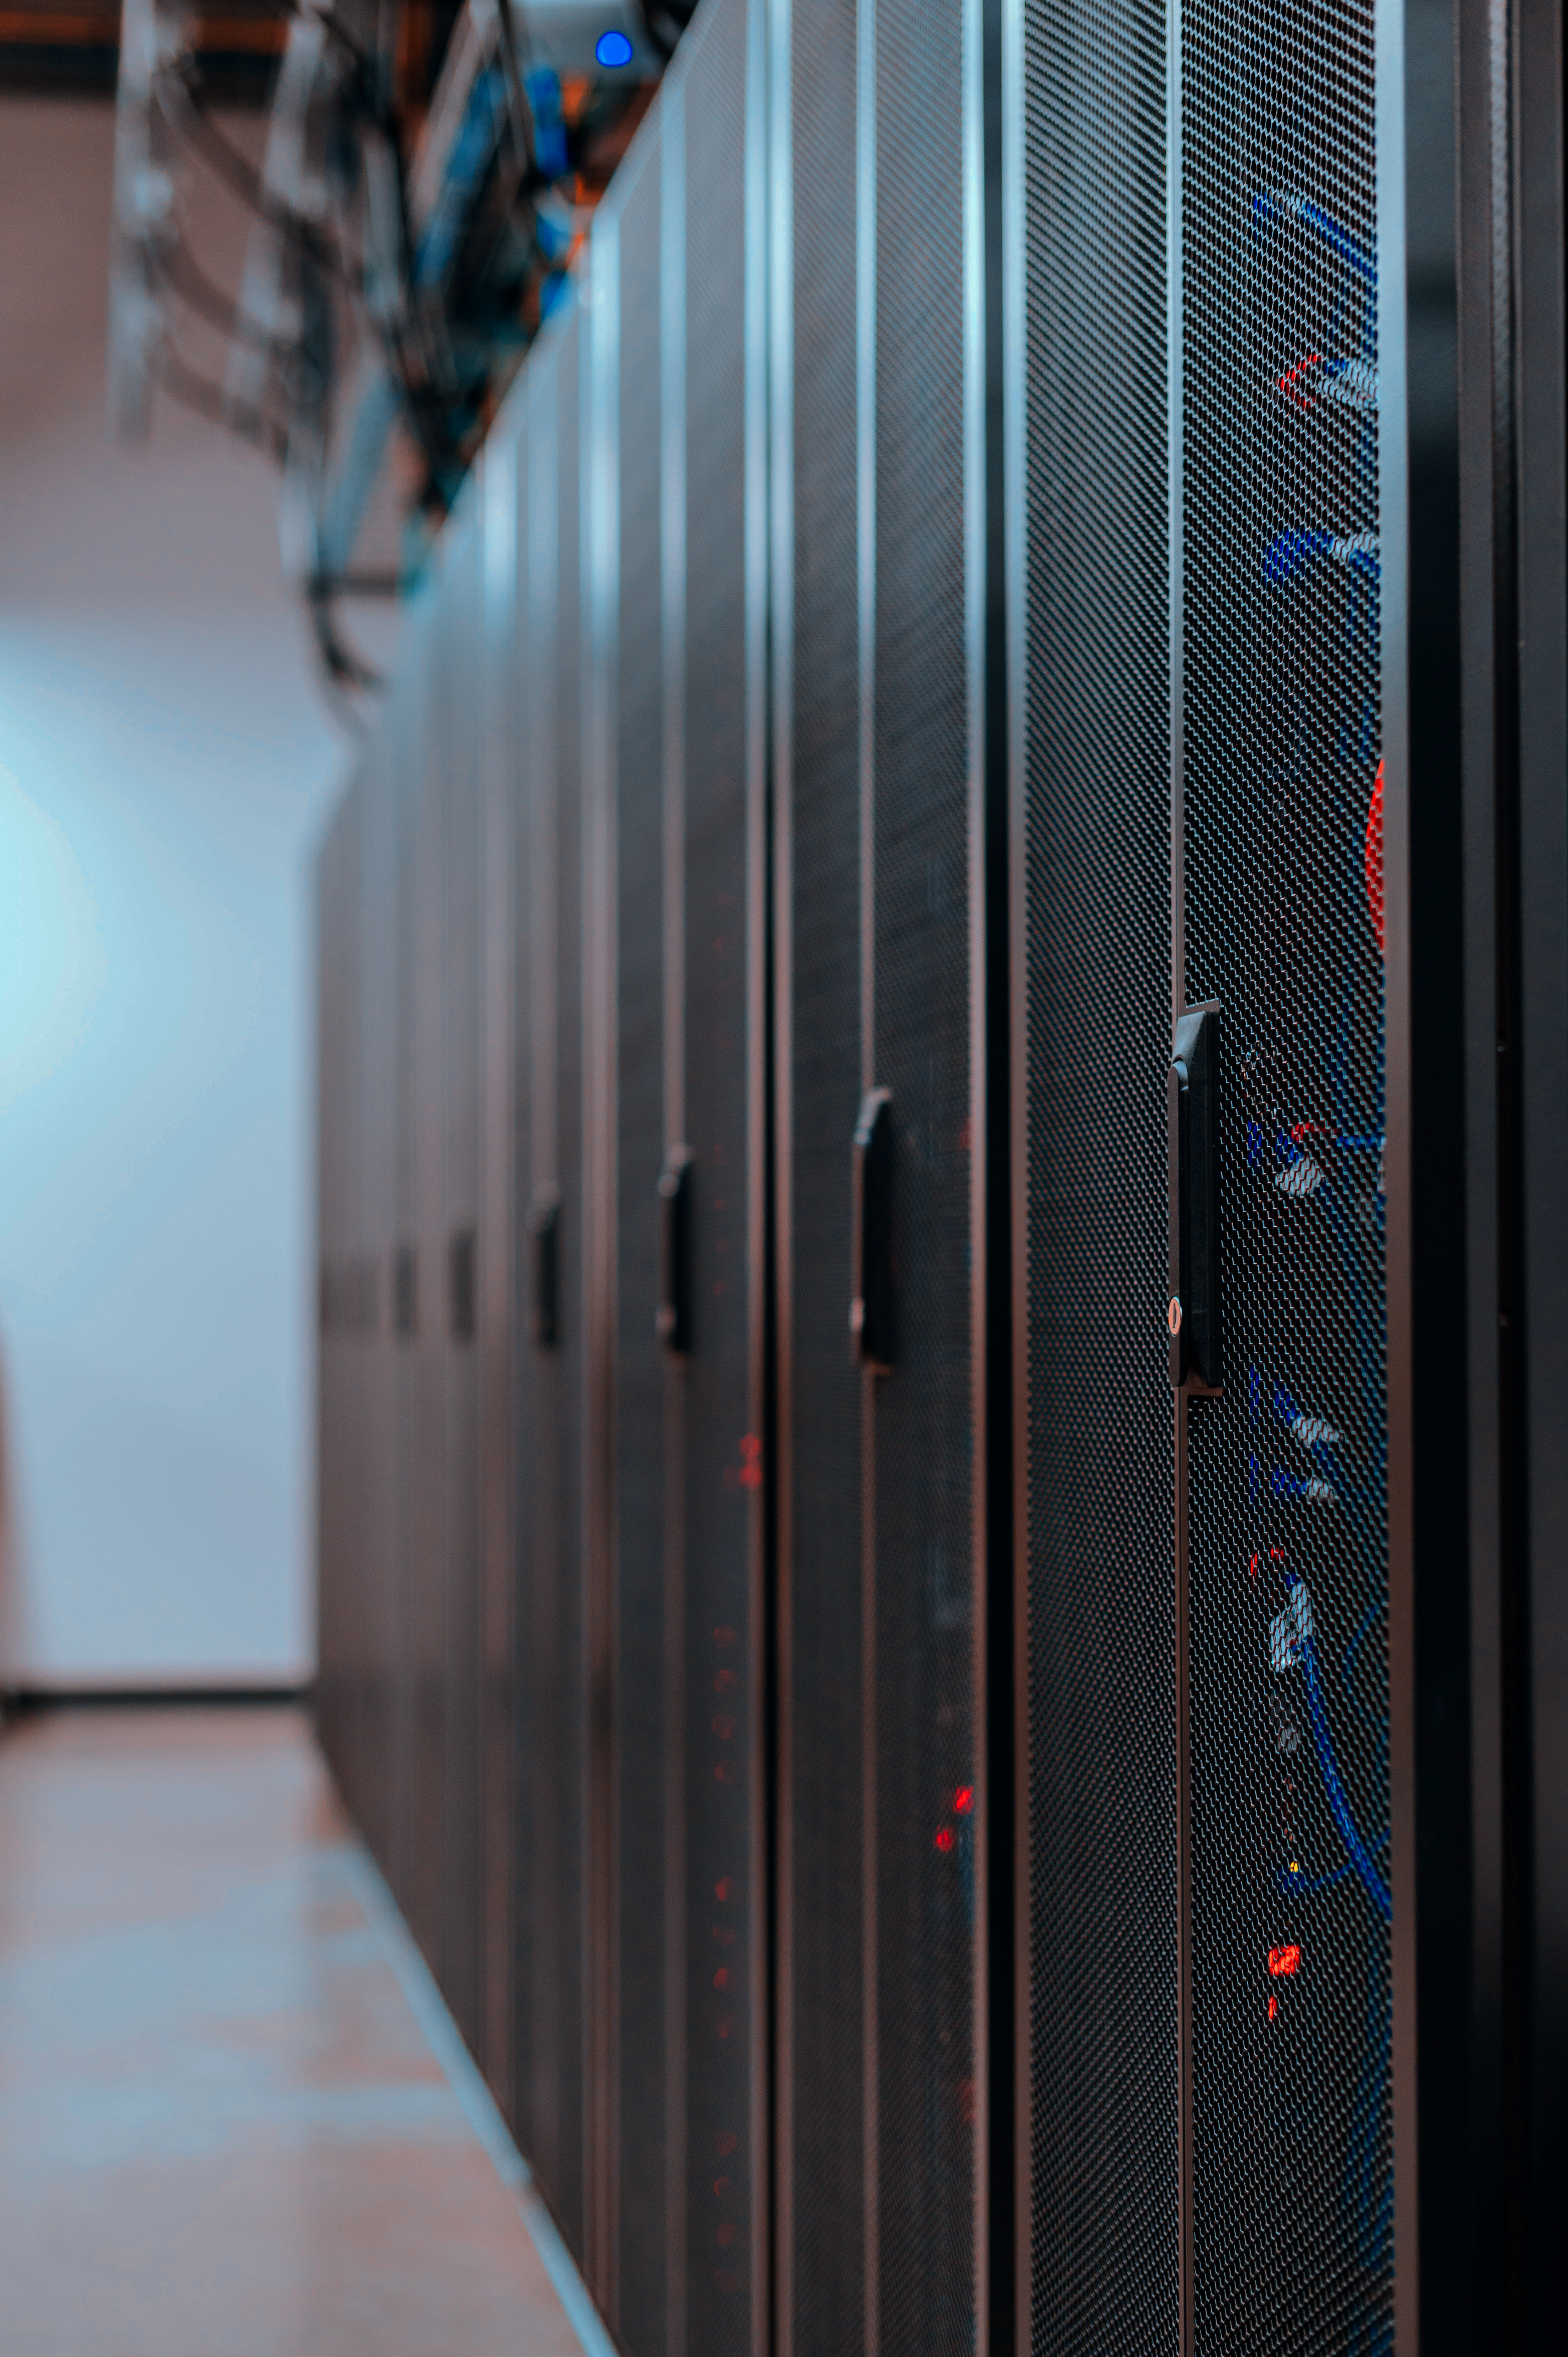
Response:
column 223, row 2126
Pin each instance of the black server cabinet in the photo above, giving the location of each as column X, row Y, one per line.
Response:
column 497, row 1333
column 531, row 1230
column 1197, row 603
column 428, row 1347
column 1283, row 739
column 715, row 1079
column 824, row 1856
column 403, row 1272
column 631, row 1540
column 376, row 1373
column 341, row 1383
column 334, row 1608
column 878, row 556
column 463, row 716
column 552, row 1663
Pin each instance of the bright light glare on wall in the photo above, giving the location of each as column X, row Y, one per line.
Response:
column 51, row 959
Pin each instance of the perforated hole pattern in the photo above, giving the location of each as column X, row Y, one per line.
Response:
column 823, row 1989
column 1102, row 1791
column 726, row 1983
column 1287, row 1481
column 641, row 1370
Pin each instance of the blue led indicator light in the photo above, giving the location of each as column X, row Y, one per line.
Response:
column 613, row 50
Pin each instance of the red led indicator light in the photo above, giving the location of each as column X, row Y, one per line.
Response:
column 1274, row 2006
column 963, row 1799
column 720, row 1979
column 1288, row 384
column 1285, row 1963
column 944, row 1837
column 724, row 1888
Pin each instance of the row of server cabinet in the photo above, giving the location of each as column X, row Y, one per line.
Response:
column 943, row 1093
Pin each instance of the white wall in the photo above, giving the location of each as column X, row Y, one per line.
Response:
column 166, row 761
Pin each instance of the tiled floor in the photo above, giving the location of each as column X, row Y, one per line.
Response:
column 222, row 2128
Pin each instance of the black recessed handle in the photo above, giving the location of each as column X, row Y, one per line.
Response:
column 544, row 1227
column 462, row 1305
column 1192, row 1134
column 870, row 1303
column 406, row 1291
column 672, row 1319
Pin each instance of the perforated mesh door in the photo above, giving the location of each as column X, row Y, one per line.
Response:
column 726, row 1977
column 823, row 2199
column 462, row 709
column 1102, row 1893
column 922, row 1534
column 640, row 2162
column 1287, row 1501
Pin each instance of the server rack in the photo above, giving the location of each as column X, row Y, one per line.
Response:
column 877, row 496
column 551, row 1438
column 715, row 917
column 401, row 1569
column 378, row 1598
column 462, row 750
column 1242, row 441
column 531, row 1065
column 690, row 822
column 622, row 484
column 333, row 1623
column 427, row 1346
column 501, row 1162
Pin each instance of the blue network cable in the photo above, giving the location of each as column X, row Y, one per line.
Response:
column 1377, row 1890
column 1341, row 368
column 1290, row 554
column 1279, row 204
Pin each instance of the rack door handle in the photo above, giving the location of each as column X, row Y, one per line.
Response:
column 871, row 1301
column 462, row 1306
column 544, row 1227
column 1192, row 1147
column 672, row 1319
